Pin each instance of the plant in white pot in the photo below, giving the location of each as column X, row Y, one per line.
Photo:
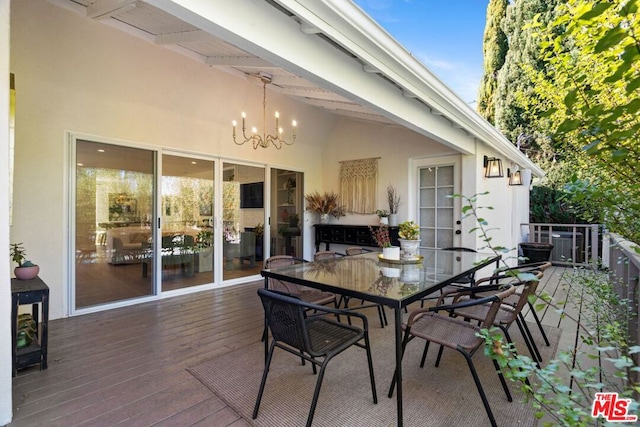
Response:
column 380, row 235
column 409, row 236
column 383, row 216
column 26, row 269
column 393, row 198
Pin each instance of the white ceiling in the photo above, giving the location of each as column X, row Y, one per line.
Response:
column 157, row 26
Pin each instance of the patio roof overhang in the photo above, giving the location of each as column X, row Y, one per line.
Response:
column 326, row 53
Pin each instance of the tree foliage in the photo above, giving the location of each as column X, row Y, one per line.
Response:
column 511, row 118
column 587, row 100
column 494, row 48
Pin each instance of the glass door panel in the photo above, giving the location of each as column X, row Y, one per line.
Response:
column 286, row 211
column 113, row 215
column 436, row 207
column 242, row 220
column 186, row 249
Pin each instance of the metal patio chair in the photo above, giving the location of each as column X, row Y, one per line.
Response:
column 314, row 337
column 455, row 333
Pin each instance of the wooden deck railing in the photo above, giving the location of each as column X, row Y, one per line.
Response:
column 573, row 244
column 623, row 263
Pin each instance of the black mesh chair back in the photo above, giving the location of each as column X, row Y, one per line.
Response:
column 313, row 337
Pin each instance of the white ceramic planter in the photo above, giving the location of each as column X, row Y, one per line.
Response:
column 392, row 252
column 409, row 249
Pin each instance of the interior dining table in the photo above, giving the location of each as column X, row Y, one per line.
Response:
column 392, row 283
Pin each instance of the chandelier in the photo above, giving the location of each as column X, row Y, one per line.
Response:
column 266, row 139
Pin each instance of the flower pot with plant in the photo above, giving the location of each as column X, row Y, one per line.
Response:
column 383, row 216
column 26, row 269
column 393, row 199
column 325, row 204
column 380, row 235
column 409, row 236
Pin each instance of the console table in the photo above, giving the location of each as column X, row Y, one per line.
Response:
column 356, row 235
column 36, row 293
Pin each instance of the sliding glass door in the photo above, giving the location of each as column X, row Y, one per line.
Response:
column 114, row 211
column 187, row 250
column 243, row 202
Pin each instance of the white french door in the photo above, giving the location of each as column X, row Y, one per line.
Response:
column 436, row 181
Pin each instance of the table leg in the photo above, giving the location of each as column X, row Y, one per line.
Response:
column 398, row 324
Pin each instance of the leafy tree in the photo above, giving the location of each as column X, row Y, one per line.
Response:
column 494, row 49
column 510, row 116
column 588, row 99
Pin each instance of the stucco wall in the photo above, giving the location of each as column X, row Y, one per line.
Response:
column 79, row 75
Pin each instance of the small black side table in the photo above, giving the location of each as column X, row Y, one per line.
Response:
column 34, row 292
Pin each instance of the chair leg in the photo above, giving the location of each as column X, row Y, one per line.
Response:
column 424, row 353
column 372, row 377
column 405, row 340
column 316, row 392
column 537, row 319
column 528, row 340
column 505, row 387
column 382, row 316
column 483, row 396
column 264, row 380
column 439, row 356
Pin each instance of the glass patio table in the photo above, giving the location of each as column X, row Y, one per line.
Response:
column 391, row 283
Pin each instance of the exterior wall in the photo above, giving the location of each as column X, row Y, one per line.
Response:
column 82, row 76
column 77, row 75
column 5, row 289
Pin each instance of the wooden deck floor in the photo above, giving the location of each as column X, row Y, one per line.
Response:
column 128, row 366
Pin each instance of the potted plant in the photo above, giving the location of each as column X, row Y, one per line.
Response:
column 204, row 247
column 293, row 220
column 26, row 269
column 381, row 237
column 409, row 236
column 325, row 204
column 393, row 199
column 383, row 216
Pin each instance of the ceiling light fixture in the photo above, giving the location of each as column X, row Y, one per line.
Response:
column 265, row 140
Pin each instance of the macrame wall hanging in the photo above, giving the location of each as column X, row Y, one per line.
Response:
column 359, row 185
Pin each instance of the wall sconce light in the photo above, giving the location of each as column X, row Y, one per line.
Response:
column 492, row 167
column 515, row 178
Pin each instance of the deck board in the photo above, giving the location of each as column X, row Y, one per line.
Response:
column 128, row 365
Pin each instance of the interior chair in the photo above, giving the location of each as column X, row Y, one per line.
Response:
column 521, row 269
column 316, row 338
column 320, row 255
column 356, row 250
column 455, row 333
column 248, row 247
column 509, row 312
column 325, row 255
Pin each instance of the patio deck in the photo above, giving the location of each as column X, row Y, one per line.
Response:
column 128, row 365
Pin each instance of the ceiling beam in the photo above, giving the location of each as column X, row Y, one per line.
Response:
column 315, row 94
column 183, row 37
column 104, row 9
column 238, row 61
